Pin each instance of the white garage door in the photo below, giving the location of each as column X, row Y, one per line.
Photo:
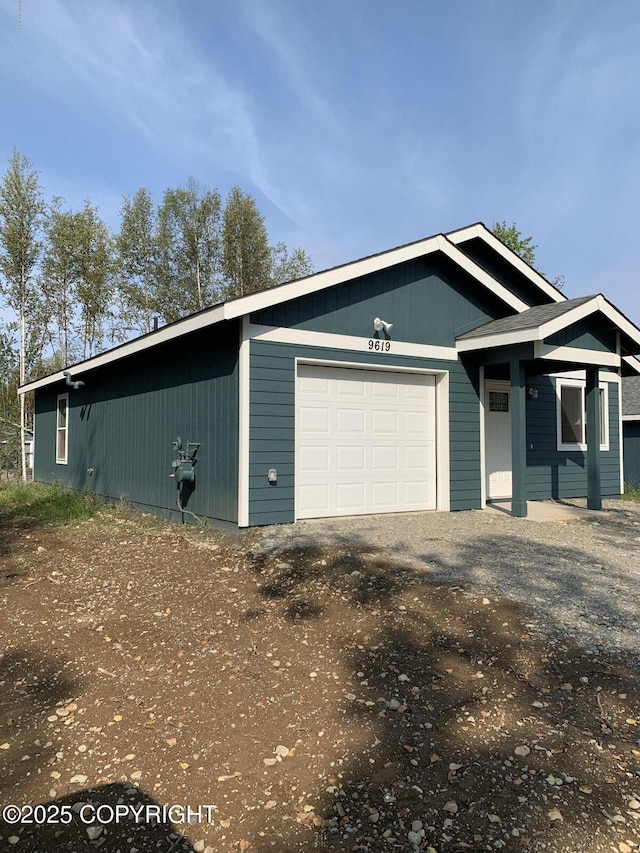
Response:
column 365, row 441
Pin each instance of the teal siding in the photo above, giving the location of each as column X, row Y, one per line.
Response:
column 122, row 424
column 585, row 334
column 428, row 301
column 631, row 432
column 554, row 474
column 502, row 271
column 272, row 433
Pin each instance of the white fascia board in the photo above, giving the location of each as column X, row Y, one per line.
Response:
column 515, row 260
column 545, row 330
column 568, row 318
column 168, row 333
column 624, row 325
column 576, row 354
column 598, row 303
column 285, row 292
column 632, row 362
column 627, row 418
column 301, row 337
column 459, row 258
column 319, row 281
column 501, row 339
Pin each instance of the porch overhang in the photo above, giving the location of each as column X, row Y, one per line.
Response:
column 536, row 334
column 587, row 334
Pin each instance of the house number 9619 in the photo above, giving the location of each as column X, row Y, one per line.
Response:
column 385, row 346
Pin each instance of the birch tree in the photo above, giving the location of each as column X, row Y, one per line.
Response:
column 94, row 288
column 137, row 253
column 61, row 268
column 246, row 256
column 188, row 250
column 21, row 217
column 288, row 265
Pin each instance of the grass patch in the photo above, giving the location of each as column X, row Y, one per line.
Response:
column 632, row 494
column 44, row 504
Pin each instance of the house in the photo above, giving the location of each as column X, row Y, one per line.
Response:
column 438, row 375
column 631, row 430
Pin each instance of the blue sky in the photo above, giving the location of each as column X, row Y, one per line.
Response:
column 358, row 125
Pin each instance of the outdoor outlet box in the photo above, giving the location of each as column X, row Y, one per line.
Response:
column 272, row 476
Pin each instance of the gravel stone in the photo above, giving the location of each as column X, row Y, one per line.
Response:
column 582, row 576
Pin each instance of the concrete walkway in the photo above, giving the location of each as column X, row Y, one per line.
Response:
column 548, row 511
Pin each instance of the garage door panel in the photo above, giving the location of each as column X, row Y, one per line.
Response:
column 384, row 457
column 418, row 457
column 384, row 421
column 313, row 457
column 385, row 390
column 350, row 420
column 314, row 499
column 416, row 493
column 417, row 423
column 351, row 388
column 350, row 458
column 385, row 495
column 365, row 441
column 314, row 419
column 351, row 496
column 316, row 386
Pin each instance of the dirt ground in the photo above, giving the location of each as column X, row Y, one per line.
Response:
column 322, row 699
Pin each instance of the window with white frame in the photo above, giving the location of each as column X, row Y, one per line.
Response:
column 62, row 429
column 572, row 415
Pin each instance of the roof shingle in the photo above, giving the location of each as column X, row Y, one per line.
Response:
column 530, row 319
column 631, row 395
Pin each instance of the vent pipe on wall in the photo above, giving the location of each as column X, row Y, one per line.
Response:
column 70, row 382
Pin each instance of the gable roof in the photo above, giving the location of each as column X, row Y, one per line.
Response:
column 538, row 323
column 530, row 319
column 631, row 397
column 479, row 230
column 243, row 305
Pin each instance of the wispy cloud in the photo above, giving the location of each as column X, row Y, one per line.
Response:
column 137, row 66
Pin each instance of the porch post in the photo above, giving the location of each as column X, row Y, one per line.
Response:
column 594, row 490
column 518, row 440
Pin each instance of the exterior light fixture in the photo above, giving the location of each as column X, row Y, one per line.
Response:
column 380, row 325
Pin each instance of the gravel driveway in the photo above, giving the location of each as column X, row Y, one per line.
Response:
column 581, row 576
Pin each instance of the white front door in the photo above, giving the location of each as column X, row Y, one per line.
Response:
column 497, row 430
column 365, row 441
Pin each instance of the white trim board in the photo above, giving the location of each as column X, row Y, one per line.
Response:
column 545, row 330
column 483, row 457
column 488, row 237
column 603, row 375
column 575, row 354
column 244, row 407
column 279, row 334
column 443, row 473
column 571, row 447
column 292, row 290
column 630, row 418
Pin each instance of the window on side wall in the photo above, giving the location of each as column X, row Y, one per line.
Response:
column 62, row 429
column 572, row 415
